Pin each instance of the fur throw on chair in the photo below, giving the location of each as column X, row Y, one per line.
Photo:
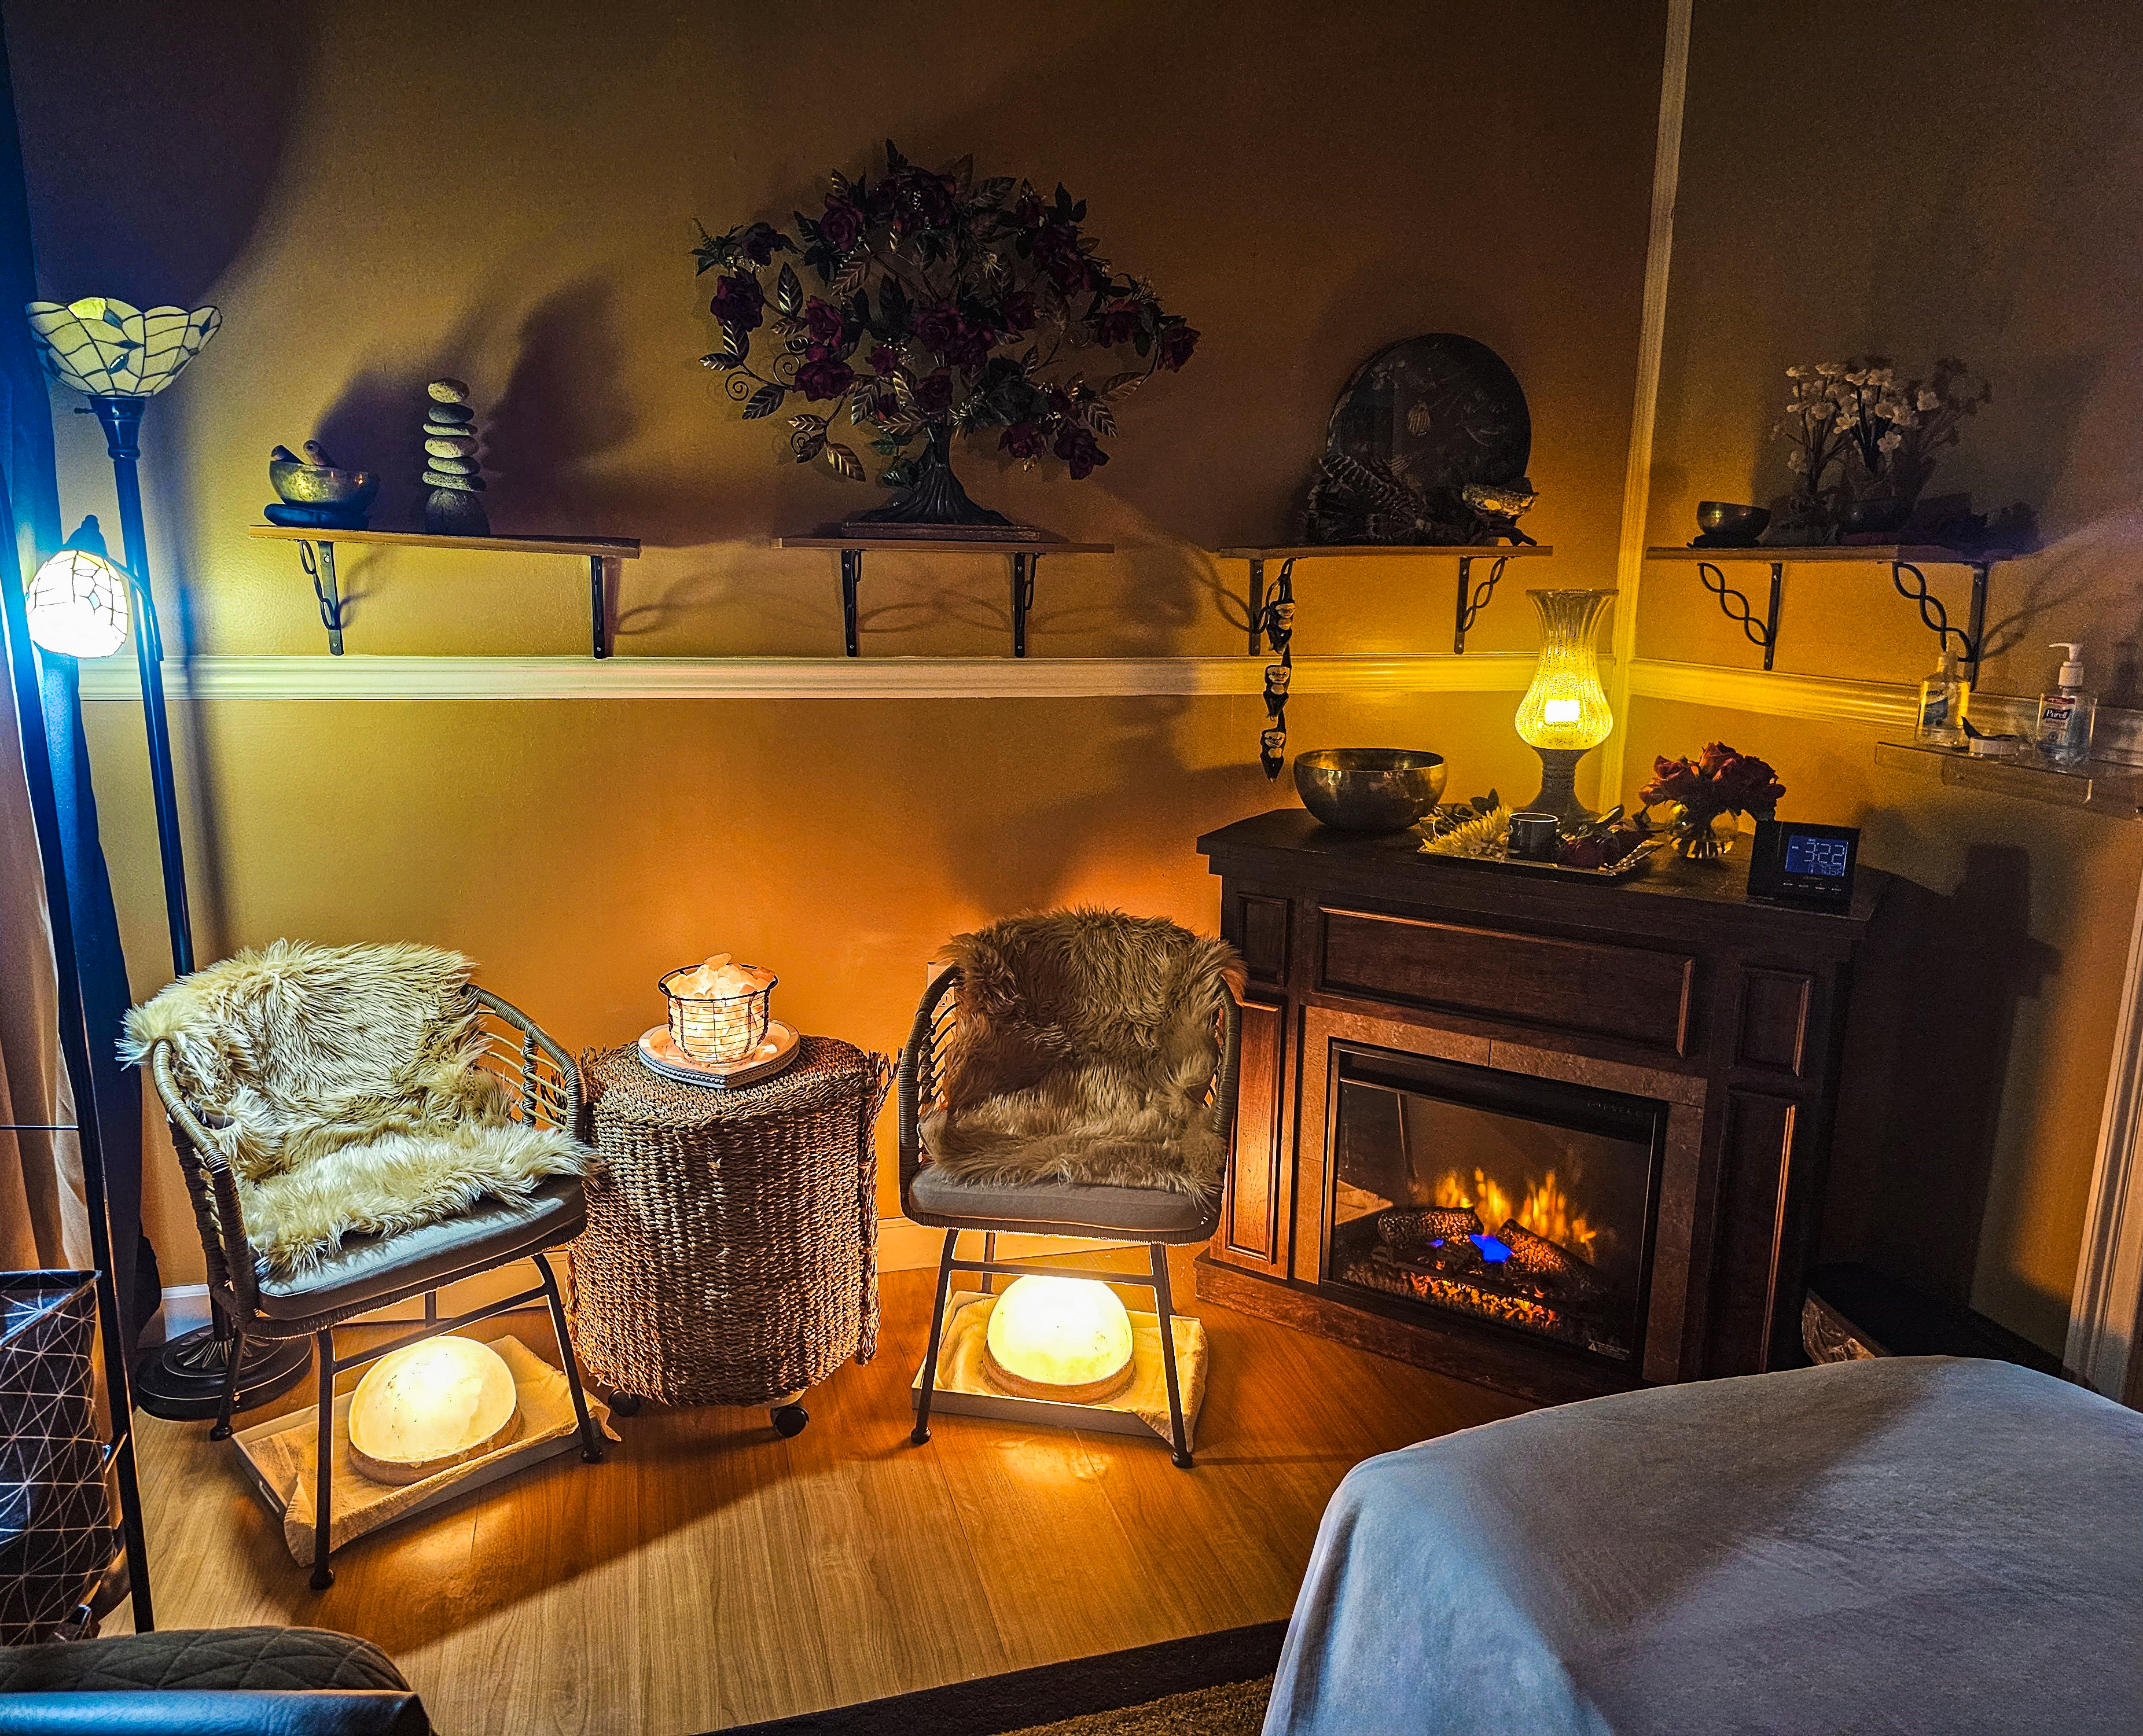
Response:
column 340, row 1085
column 1085, row 1045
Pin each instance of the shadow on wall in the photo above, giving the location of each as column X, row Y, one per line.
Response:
column 1930, row 1036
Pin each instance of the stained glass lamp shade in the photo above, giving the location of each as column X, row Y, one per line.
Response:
column 109, row 349
column 77, row 605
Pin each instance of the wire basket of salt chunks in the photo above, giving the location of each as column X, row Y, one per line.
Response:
column 718, row 1010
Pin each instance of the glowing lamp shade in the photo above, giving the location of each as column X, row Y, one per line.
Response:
column 1064, row 1338
column 77, row 605
column 111, row 349
column 1564, row 714
column 428, row 1406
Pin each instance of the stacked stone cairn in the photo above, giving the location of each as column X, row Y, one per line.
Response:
column 455, row 505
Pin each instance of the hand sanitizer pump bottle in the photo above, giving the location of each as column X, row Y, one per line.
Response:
column 1943, row 698
column 2067, row 715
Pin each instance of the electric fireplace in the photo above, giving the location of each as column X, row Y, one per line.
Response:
column 1502, row 1198
column 1555, row 1136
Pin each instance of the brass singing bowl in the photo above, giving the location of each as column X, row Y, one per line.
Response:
column 317, row 485
column 1731, row 522
column 1369, row 789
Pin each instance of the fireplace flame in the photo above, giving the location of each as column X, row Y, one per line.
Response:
column 1544, row 1209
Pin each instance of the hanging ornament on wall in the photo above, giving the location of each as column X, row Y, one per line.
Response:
column 455, row 505
column 1277, row 621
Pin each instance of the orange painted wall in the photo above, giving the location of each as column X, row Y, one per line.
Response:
column 1923, row 178
column 374, row 198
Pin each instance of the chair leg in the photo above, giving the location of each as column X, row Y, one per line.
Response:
column 234, row 1350
column 591, row 1437
column 324, row 1495
column 1179, row 1441
column 989, row 1254
column 921, row 1433
column 431, row 1308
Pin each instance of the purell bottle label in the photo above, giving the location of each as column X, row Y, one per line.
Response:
column 2056, row 720
column 1934, row 709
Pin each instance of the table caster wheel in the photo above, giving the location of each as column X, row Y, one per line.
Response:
column 788, row 1420
column 625, row 1404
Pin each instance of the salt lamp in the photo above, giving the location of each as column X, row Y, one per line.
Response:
column 718, row 1010
column 1063, row 1338
column 427, row 1405
column 1564, row 714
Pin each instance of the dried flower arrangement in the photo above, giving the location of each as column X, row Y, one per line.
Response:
column 1882, row 432
column 946, row 304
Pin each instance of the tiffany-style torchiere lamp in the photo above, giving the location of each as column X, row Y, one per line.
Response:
column 80, row 604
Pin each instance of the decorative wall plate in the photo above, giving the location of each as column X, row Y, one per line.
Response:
column 1417, row 424
column 661, row 1052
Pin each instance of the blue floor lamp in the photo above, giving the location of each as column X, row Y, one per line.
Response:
column 80, row 604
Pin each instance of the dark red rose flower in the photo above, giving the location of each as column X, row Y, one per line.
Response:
column 1176, row 344
column 823, row 323
column 1017, row 313
column 938, row 325
column 934, row 394
column 1023, row 440
column 970, row 348
column 1030, row 211
column 759, row 242
column 917, row 199
column 825, row 377
column 1116, row 323
column 738, row 301
column 885, row 358
column 842, row 225
column 1079, row 451
column 1055, row 248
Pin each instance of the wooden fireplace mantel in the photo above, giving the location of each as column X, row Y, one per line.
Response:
column 1671, row 985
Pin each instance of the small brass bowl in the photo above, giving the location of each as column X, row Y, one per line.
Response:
column 316, row 485
column 1369, row 789
column 1729, row 526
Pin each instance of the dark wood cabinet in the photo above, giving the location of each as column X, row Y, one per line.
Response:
column 1671, row 987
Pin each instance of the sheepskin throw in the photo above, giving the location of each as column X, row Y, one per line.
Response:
column 346, row 1080
column 1086, row 1044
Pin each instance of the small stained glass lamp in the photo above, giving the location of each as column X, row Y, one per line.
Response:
column 1564, row 714
column 77, row 602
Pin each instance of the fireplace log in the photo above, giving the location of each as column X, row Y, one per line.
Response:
column 1412, row 1229
column 1538, row 1258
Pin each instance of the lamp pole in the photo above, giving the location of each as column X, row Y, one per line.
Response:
column 121, row 419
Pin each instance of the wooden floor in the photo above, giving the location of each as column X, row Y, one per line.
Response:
column 709, row 1573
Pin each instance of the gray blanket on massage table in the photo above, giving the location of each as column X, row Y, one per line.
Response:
column 1916, row 1544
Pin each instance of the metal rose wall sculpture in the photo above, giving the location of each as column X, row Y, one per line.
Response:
column 944, row 305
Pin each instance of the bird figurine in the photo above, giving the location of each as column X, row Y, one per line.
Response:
column 1500, row 508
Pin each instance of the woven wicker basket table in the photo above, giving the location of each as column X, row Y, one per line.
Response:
column 731, row 1251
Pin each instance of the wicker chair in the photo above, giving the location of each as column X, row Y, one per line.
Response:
column 368, row 1272
column 1156, row 1217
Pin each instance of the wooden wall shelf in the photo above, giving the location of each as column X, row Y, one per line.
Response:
column 2103, row 786
column 316, row 554
column 1026, row 553
column 1470, row 603
column 1900, row 558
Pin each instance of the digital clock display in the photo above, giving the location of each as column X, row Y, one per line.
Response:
column 1801, row 863
column 1806, row 853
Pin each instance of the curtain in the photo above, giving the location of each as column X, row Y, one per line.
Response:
column 40, row 1189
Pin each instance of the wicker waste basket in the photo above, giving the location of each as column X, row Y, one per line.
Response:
column 730, row 1255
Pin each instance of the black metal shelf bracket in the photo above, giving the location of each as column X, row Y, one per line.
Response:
column 1471, row 602
column 1025, row 565
column 1972, row 638
column 1735, row 606
column 316, row 555
column 320, row 570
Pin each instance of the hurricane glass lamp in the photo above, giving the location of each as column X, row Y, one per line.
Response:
column 1564, row 714
column 1067, row 1339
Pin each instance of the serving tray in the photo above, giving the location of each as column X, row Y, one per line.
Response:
column 660, row 1053
column 1634, row 863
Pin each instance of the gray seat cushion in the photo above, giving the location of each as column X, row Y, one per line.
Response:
column 1074, row 1207
column 368, row 1268
column 221, row 1658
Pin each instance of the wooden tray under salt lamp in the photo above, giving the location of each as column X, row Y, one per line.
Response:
column 661, row 1052
column 277, row 1458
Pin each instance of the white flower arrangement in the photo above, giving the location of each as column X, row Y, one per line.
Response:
column 1860, row 414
